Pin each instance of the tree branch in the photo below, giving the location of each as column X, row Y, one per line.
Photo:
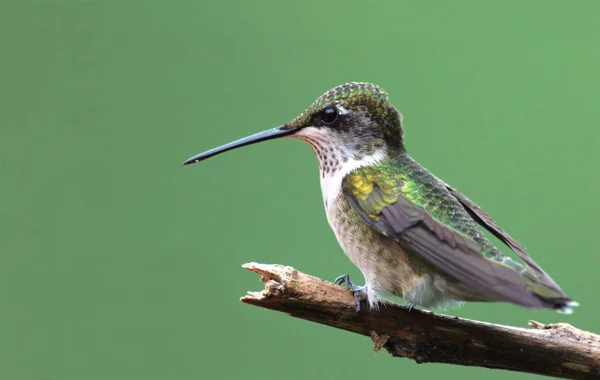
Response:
column 558, row 350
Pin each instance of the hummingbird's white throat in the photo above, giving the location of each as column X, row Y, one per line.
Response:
column 336, row 160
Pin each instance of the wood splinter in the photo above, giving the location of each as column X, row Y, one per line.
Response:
column 379, row 340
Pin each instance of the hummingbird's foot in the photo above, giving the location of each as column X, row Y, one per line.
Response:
column 410, row 306
column 359, row 292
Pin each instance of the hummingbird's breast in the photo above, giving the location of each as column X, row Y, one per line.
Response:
column 387, row 268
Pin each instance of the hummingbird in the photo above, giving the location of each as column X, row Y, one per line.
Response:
column 409, row 233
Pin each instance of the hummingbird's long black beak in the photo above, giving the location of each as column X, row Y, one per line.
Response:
column 269, row 134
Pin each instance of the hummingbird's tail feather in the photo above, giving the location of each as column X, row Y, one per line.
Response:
column 550, row 294
column 562, row 305
column 539, row 282
column 567, row 307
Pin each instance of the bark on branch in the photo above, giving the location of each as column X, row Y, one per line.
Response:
column 558, row 350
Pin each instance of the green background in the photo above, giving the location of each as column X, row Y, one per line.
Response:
column 117, row 263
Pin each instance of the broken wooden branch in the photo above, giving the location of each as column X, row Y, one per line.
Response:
column 559, row 350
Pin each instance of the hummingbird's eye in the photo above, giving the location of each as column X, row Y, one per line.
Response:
column 329, row 114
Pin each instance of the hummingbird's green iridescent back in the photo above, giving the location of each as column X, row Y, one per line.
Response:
column 400, row 182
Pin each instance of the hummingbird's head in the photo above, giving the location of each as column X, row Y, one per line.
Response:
column 353, row 123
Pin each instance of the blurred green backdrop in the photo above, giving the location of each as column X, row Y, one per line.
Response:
column 117, row 263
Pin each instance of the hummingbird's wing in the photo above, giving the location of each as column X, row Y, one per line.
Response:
column 488, row 223
column 382, row 200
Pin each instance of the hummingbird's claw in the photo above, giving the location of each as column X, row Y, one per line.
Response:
column 410, row 306
column 359, row 292
column 340, row 280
